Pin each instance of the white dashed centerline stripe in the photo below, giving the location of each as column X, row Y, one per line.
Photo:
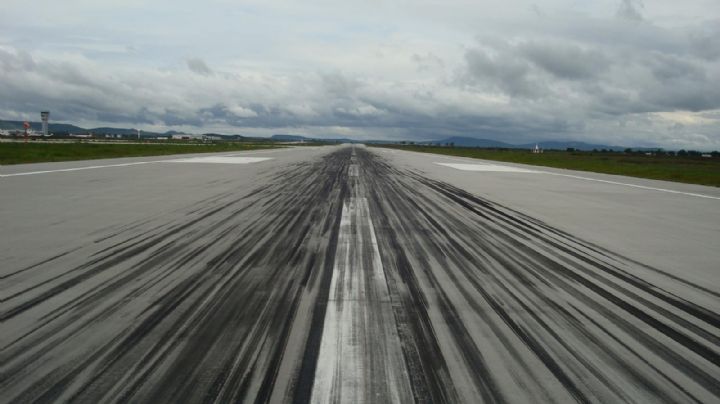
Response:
column 360, row 350
column 360, row 358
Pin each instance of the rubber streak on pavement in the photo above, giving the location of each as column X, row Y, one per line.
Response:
column 346, row 278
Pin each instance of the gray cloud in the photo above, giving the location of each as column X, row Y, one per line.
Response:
column 18, row 61
column 613, row 81
column 428, row 62
column 565, row 61
column 629, row 10
column 197, row 65
column 502, row 71
column 586, row 75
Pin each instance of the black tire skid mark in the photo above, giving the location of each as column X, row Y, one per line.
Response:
column 662, row 294
column 171, row 305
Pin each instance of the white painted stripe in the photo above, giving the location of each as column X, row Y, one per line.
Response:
column 378, row 270
column 486, row 167
column 633, row 185
column 360, row 358
column 353, row 170
column 77, row 169
column 671, row 191
column 220, row 160
column 204, row 159
column 328, row 361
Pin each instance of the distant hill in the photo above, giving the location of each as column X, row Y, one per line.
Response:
column 226, row 137
column 457, row 141
column 64, row 128
column 125, row 132
column 461, row 141
column 299, row 138
column 67, row 128
column 37, row 126
column 288, row 138
column 562, row 145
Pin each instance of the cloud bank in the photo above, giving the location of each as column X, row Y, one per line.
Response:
column 618, row 73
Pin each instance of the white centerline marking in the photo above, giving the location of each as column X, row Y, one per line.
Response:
column 360, row 356
column 353, row 170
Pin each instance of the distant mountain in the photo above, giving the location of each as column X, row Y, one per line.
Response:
column 299, row 138
column 563, row 145
column 116, row 131
column 67, row 128
column 226, row 137
column 336, row 140
column 37, row 126
column 289, row 138
column 461, row 141
column 62, row 129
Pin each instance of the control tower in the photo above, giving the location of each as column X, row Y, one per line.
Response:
column 45, row 116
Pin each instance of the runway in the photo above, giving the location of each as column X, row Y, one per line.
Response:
column 353, row 274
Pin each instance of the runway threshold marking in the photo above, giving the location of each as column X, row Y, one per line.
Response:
column 212, row 159
column 501, row 168
column 220, row 160
column 78, row 168
column 486, row 167
column 633, row 185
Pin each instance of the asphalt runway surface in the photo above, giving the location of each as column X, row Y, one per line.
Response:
column 351, row 274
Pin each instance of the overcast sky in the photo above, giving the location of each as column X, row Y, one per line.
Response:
column 621, row 72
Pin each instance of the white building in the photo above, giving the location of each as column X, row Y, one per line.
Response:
column 186, row 136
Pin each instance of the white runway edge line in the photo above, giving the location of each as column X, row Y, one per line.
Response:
column 487, row 167
column 633, row 185
column 501, row 168
column 220, row 160
column 211, row 159
column 78, row 168
column 360, row 358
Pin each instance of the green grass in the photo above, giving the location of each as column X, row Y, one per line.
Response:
column 691, row 170
column 36, row 152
